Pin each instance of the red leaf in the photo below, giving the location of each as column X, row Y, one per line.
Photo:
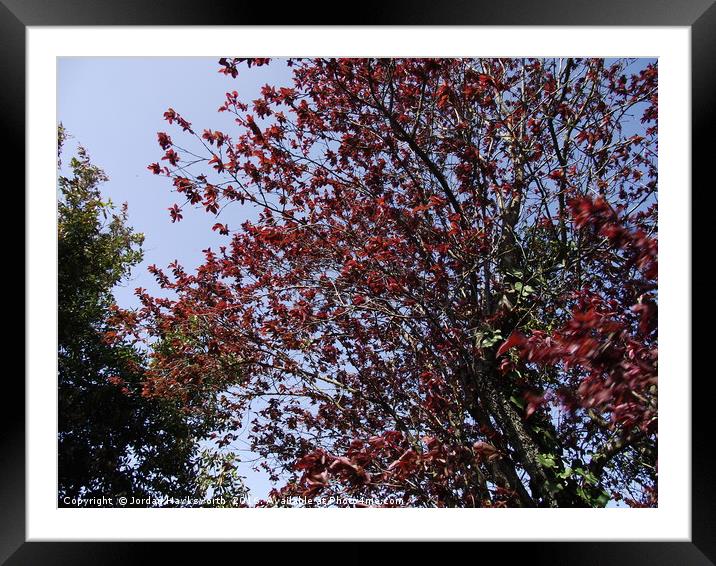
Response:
column 222, row 228
column 486, row 450
column 514, row 339
column 534, row 402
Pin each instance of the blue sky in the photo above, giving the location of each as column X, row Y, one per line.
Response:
column 114, row 107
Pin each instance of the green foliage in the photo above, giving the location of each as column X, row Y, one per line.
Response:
column 585, row 484
column 219, row 479
column 547, row 460
column 112, row 441
column 488, row 338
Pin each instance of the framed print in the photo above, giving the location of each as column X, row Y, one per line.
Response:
column 404, row 278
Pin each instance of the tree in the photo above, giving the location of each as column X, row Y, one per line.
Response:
column 447, row 292
column 112, row 441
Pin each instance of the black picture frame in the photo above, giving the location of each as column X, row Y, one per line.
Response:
column 699, row 15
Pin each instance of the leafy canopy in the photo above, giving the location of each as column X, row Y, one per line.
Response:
column 112, row 441
column 446, row 291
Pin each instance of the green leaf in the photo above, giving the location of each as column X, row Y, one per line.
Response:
column 491, row 339
column 587, row 475
column 602, row 499
column 554, row 487
column 565, row 474
column 547, row 460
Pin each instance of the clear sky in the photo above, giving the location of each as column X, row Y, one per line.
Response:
column 114, row 107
